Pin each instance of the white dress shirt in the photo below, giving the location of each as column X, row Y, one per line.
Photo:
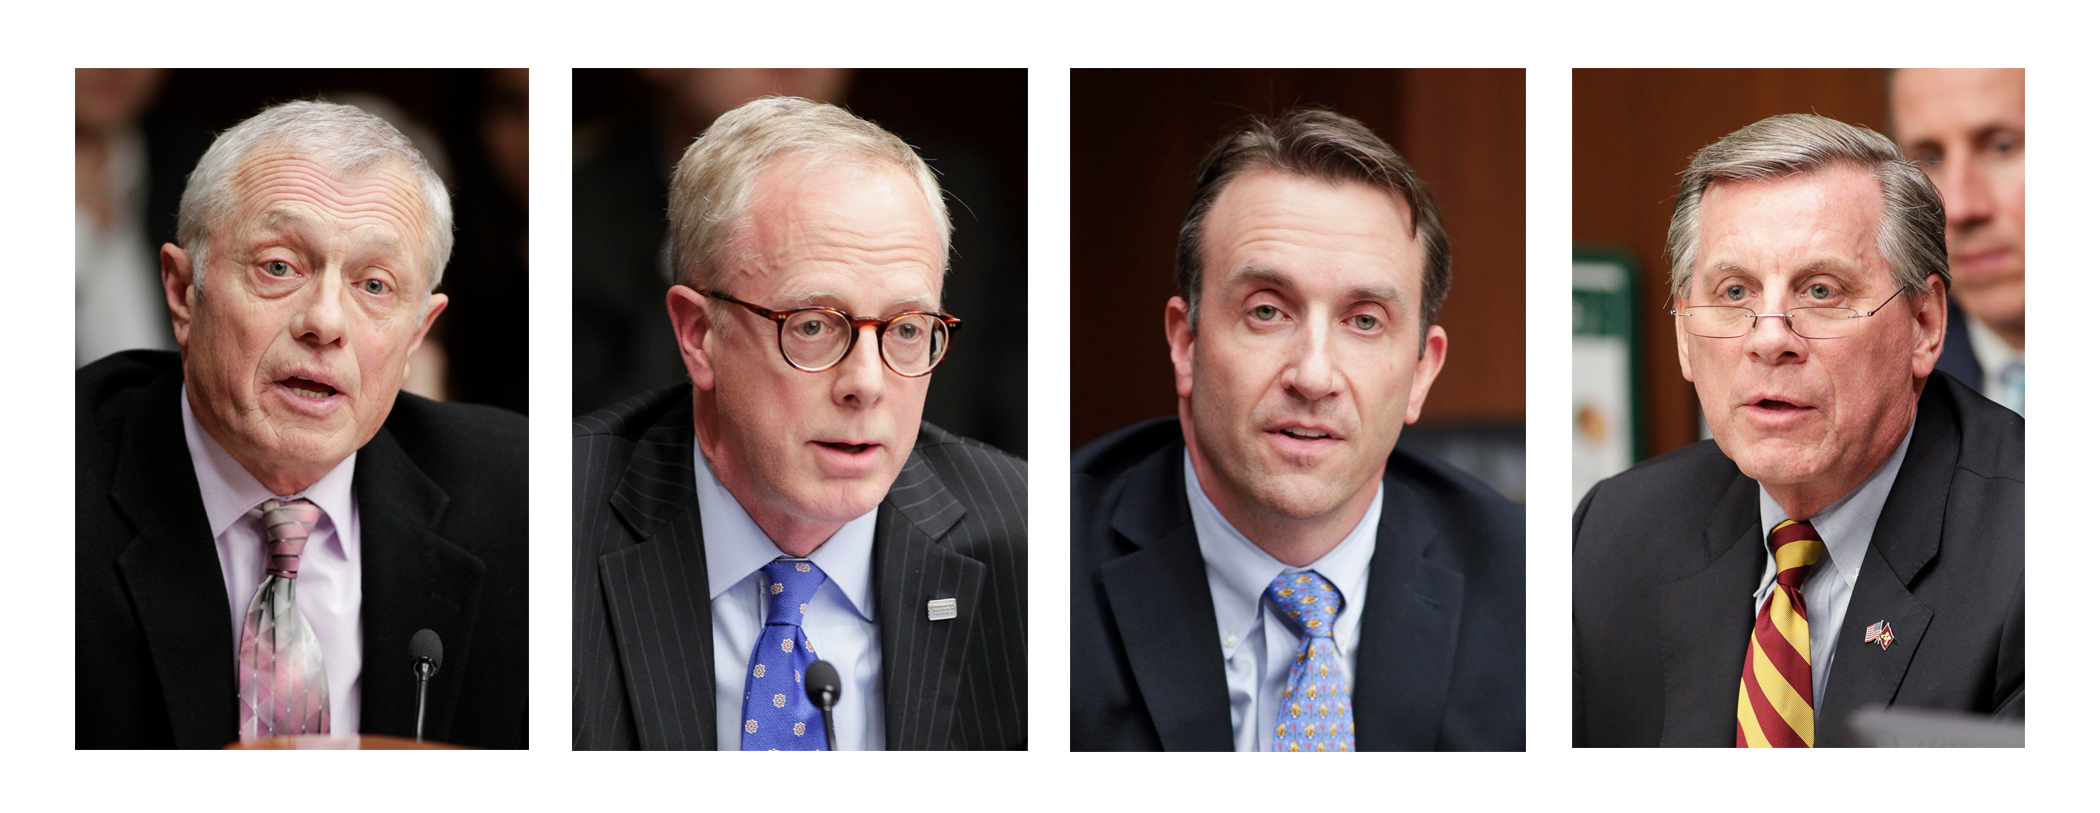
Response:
column 840, row 623
column 1260, row 645
column 331, row 576
column 1846, row 527
column 1993, row 355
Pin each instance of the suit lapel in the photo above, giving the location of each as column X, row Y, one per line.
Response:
column 656, row 593
column 413, row 579
column 1161, row 600
column 171, row 569
column 922, row 659
column 1906, row 539
column 1704, row 622
column 1409, row 634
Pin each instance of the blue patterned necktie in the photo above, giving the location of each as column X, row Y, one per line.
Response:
column 777, row 713
column 1315, row 713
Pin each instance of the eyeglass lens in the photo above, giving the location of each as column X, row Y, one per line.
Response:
column 911, row 344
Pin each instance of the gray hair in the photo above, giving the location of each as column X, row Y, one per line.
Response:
column 1319, row 144
column 711, row 189
column 344, row 140
column 1912, row 236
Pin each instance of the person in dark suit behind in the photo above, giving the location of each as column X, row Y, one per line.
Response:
column 264, row 520
column 1268, row 571
column 1967, row 128
column 1852, row 537
column 785, row 504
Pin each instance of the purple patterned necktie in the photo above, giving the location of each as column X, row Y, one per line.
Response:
column 284, row 690
column 1315, row 714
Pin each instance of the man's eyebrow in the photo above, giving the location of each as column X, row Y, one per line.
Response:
column 828, row 298
column 1257, row 273
column 1386, row 293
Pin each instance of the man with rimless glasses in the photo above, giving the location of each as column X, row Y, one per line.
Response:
column 784, row 505
column 1852, row 537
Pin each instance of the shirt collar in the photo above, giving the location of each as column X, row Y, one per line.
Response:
column 1247, row 570
column 736, row 547
column 230, row 490
column 1846, row 526
column 1992, row 352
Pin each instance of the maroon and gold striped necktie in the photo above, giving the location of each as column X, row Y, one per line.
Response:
column 1776, row 704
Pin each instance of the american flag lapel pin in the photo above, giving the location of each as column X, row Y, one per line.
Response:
column 1881, row 632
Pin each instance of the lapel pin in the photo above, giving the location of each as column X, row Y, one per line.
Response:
column 940, row 609
column 1881, row 632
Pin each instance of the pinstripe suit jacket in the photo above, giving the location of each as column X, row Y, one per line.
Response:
column 953, row 526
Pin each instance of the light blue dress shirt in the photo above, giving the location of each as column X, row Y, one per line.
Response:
column 1258, row 644
column 840, row 624
column 1846, row 528
column 331, row 572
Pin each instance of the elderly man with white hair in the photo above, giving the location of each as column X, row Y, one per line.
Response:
column 267, row 499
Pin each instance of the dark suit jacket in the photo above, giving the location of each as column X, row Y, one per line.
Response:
column 441, row 496
column 1958, row 357
column 953, row 526
column 1441, row 665
column 1669, row 553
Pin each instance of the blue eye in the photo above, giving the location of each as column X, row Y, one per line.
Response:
column 1364, row 321
column 1820, row 291
column 1735, row 293
column 374, row 287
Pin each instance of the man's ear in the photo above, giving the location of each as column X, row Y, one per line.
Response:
column 1930, row 310
column 175, row 277
column 430, row 317
column 693, row 325
column 1181, row 346
column 1427, row 365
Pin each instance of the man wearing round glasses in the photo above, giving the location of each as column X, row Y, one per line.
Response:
column 785, row 504
column 1852, row 537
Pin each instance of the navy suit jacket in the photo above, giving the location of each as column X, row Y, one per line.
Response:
column 1441, row 663
column 441, row 495
column 1668, row 555
column 954, row 525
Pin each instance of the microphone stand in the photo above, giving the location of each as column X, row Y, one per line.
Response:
column 424, row 669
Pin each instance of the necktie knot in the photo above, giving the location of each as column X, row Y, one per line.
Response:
column 1795, row 547
column 789, row 587
column 286, row 525
column 1307, row 601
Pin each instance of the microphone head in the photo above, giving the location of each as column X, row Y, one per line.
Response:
column 425, row 646
column 821, row 682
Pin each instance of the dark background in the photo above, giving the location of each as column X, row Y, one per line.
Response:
column 477, row 120
column 1634, row 131
column 1137, row 139
column 971, row 126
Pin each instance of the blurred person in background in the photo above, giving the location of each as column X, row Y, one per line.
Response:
column 1968, row 129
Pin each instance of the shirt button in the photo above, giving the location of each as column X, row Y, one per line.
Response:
column 1231, row 640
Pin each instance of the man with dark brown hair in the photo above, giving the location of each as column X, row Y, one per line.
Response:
column 1267, row 571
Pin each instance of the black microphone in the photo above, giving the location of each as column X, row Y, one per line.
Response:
column 428, row 653
column 822, row 684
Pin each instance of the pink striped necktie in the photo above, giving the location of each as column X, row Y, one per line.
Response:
column 284, row 690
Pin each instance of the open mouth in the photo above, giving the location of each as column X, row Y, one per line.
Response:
column 308, row 388
column 1306, row 434
column 848, row 448
column 1769, row 403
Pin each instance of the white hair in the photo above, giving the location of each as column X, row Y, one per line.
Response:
column 344, row 140
column 711, row 189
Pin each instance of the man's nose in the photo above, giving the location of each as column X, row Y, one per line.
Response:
column 861, row 375
column 1964, row 190
column 319, row 319
column 1772, row 338
column 1311, row 373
